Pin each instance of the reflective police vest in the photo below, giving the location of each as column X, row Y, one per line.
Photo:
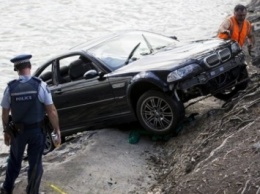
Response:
column 25, row 105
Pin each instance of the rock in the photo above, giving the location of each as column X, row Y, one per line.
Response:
column 254, row 18
column 256, row 147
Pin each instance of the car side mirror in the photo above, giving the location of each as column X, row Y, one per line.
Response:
column 90, row 74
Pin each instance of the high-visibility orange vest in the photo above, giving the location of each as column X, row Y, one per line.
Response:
column 236, row 34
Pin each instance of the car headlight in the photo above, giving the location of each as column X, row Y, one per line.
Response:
column 183, row 72
column 235, row 48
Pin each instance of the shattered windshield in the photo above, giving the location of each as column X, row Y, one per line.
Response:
column 123, row 49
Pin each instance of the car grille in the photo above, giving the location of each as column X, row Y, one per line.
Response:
column 218, row 57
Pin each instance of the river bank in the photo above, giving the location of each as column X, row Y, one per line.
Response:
column 204, row 158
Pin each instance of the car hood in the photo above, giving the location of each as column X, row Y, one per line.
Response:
column 171, row 57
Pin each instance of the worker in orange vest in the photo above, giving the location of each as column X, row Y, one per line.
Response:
column 237, row 28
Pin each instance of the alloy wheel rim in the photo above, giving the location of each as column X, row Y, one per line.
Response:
column 157, row 113
column 48, row 143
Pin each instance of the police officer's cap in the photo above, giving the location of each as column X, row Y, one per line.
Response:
column 21, row 60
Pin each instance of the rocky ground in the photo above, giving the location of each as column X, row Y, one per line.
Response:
column 218, row 152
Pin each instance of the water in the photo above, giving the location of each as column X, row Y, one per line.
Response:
column 46, row 28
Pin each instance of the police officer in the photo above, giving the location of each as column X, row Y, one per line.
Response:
column 28, row 98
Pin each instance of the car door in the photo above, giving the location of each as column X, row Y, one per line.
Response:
column 83, row 102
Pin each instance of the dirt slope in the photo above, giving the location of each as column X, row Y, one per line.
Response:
column 219, row 152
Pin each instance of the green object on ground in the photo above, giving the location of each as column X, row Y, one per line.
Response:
column 135, row 134
column 134, row 137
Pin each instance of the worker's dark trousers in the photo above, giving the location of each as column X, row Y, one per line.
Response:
column 35, row 141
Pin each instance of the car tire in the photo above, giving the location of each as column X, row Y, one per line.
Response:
column 230, row 93
column 49, row 146
column 181, row 109
column 154, row 106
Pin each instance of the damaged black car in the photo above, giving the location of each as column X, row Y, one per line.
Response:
column 139, row 76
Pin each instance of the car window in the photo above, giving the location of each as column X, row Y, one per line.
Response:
column 115, row 52
column 63, row 66
column 158, row 42
column 46, row 75
column 73, row 68
column 67, row 69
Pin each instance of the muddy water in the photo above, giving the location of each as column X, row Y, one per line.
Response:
column 45, row 28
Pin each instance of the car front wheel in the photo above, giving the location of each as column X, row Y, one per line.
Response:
column 158, row 113
column 231, row 92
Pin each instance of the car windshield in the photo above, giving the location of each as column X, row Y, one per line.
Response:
column 129, row 47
